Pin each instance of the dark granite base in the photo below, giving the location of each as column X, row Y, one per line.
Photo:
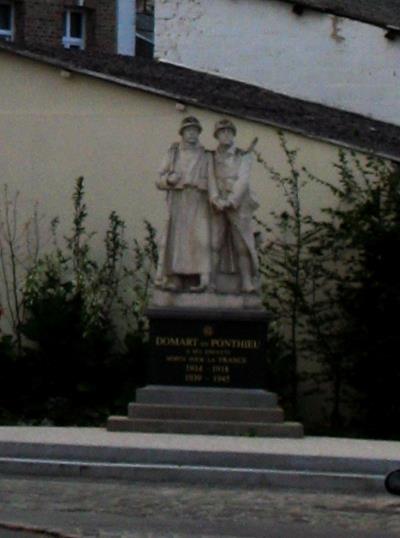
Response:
column 206, row 376
column 208, row 347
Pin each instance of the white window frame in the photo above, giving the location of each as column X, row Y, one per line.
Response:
column 8, row 35
column 74, row 42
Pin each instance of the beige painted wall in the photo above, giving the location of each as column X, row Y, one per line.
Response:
column 53, row 129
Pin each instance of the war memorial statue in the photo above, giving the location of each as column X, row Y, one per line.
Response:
column 208, row 243
column 208, row 328
column 207, row 294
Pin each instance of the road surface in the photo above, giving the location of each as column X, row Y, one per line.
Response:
column 111, row 509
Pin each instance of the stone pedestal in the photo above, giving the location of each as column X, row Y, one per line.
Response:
column 206, row 376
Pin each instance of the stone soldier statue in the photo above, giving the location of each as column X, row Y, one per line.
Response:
column 232, row 236
column 185, row 249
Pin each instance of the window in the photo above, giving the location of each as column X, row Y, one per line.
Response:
column 145, row 28
column 145, row 6
column 6, row 21
column 74, row 29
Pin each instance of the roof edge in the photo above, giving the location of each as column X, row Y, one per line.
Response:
column 338, row 12
column 181, row 98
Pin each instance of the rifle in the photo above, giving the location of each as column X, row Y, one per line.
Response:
column 252, row 145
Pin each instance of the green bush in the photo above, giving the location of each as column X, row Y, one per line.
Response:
column 331, row 284
column 75, row 365
column 366, row 229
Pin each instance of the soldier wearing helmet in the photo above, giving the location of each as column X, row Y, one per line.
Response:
column 185, row 260
column 233, row 205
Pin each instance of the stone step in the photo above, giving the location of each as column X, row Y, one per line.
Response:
column 205, row 396
column 315, row 454
column 251, row 429
column 193, row 474
column 186, row 412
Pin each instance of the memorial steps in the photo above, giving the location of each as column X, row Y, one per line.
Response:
column 206, row 411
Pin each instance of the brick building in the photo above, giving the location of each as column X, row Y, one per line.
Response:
column 96, row 26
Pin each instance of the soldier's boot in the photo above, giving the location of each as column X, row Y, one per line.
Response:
column 203, row 285
column 212, row 285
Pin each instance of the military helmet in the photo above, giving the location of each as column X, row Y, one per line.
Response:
column 190, row 121
column 224, row 124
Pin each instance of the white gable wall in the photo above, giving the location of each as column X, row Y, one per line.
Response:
column 317, row 57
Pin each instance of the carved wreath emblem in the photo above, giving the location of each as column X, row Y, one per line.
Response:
column 208, row 330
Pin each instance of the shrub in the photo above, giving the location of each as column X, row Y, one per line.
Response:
column 78, row 362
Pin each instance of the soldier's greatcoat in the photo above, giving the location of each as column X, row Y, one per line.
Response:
column 185, row 248
column 230, row 182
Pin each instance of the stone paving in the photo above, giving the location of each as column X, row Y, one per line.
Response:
column 110, row 509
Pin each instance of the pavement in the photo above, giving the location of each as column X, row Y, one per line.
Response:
column 348, row 465
column 87, row 482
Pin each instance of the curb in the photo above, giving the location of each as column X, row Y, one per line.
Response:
column 195, row 474
column 35, row 530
